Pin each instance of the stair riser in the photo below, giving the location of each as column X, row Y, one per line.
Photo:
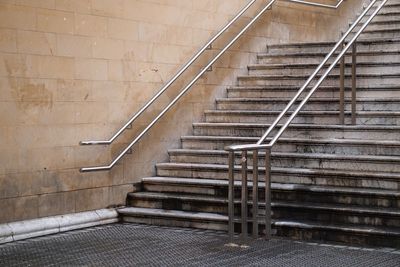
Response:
column 318, row 59
column 388, row 69
column 370, row 47
column 210, row 225
column 329, row 81
column 383, row 25
column 296, row 233
column 321, row 93
column 310, row 106
column 301, row 148
column 317, row 119
column 336, row 217
column 377, row 34
column 338, row 236
column 306, row 196
column 280, row 161
column 184, row 189
column 300, row 133
column 184, row 205
column 282, row 213
column 286, row 178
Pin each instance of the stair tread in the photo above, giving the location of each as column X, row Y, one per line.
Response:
column 176, row 214
column 286, row 99
column 294, row 140
column 297, row 125
column 302, row 171
column 330, row 43
column 295, row 87
column 323, row 54
column 276, row 186
column 285, row 204
column 172, row 213
column 394, row 159
column 311, row 65
column 311, row 112
column 302, row 76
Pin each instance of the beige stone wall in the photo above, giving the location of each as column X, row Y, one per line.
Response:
column 73, row 70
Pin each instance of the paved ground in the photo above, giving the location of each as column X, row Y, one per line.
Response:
column 138, row 245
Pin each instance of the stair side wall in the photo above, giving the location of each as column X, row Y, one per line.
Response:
column 76, row 70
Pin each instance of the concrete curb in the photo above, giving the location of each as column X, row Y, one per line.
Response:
column 14, row 231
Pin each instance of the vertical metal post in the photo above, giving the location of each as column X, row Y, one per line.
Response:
column 341, row 97
column 255, row 193
column 354, row 84
column 244, row 196
column 268, row 194
column 231, row 196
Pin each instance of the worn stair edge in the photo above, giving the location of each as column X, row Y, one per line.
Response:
column 362, row 210
column 275, row 186
column 212, row 217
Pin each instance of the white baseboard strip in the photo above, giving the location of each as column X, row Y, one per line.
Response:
column 14, row 231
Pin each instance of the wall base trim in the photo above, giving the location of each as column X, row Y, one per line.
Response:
column 14, row 231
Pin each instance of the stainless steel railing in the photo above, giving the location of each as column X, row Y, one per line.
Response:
column 255, row 148
column 207, row 46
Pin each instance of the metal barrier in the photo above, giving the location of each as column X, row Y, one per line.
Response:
column 255, row 148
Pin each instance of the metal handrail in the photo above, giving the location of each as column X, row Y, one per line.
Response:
column 112, row 164
column 178, row 74
column 311, row 78
column 268, row 147
column 173, row 79
column 207, row 46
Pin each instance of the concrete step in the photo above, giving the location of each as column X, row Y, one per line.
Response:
column 314, row 104
column 304, row 230
column 297, row 176
column 365, row 132
column 322, row 92
column 375, row 68
column 371, row 44
column 392, row 55
column 386, row 198
column 392, row 23
column 363, row 80
column 174, row 218
column 299, row 145
column 281, row 210
column 314, row 117
column 384, row 32
column 364, row 163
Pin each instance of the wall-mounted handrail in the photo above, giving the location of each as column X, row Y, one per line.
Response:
column 172, row 80
column 112, row 164
column 268, row 147
column 207, row 46
column 178, row 74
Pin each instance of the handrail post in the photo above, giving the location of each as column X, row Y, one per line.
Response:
column 268, row 194
column 255, row 193
column 244, row 196
column 354, row 84
column 231, row 196
column 341, row 94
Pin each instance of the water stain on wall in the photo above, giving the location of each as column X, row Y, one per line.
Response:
column 31, row 95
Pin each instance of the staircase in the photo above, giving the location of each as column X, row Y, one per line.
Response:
column 331, row 182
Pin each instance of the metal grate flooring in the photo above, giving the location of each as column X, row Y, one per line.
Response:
column 141, row 245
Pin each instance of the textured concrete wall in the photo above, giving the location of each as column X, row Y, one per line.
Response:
column 73, row 70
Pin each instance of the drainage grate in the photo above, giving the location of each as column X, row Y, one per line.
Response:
column 141, row 245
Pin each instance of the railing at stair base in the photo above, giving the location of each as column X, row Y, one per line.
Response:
column 244, row 149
